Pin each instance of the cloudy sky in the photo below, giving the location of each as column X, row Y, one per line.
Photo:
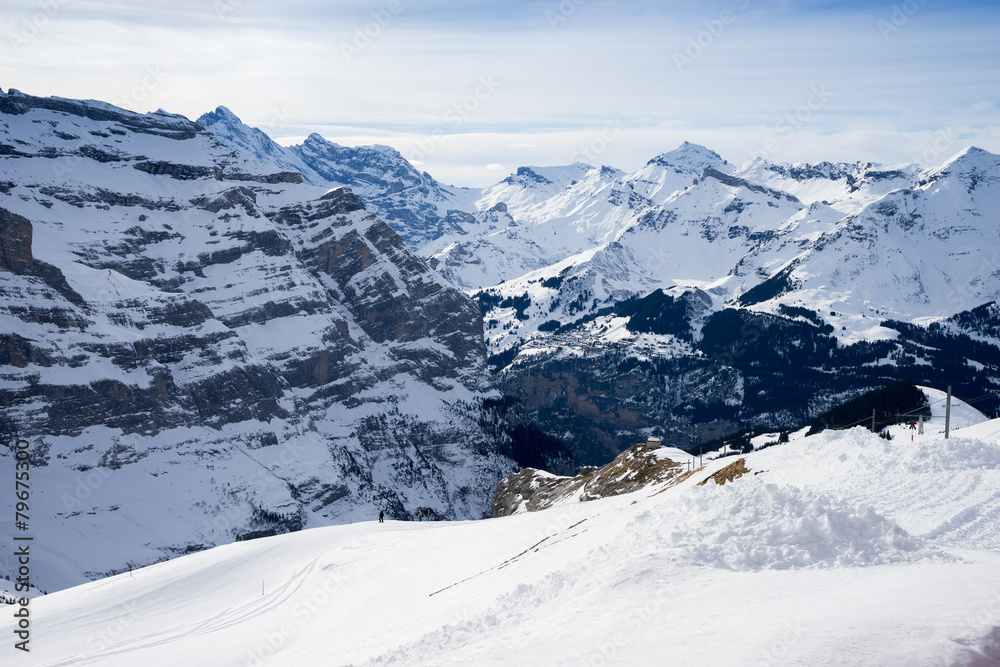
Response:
column 470, row 90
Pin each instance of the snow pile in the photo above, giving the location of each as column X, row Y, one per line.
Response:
column 753, row 525
column 946, row 492
column 951, row 454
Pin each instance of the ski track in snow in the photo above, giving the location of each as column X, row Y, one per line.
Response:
column 227, row 618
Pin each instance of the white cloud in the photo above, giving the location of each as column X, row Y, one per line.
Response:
column 456, row 91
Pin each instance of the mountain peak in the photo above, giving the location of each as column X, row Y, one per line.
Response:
column 974, row 150
column 690, row 156
column 971, row 154
column 558, row 176
column 970, row 157
column 225, row 112
column 971, row 166
column 371, row 154
column 527, row 174
column 220, row 115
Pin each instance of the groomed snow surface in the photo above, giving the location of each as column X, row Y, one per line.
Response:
column 838, row 549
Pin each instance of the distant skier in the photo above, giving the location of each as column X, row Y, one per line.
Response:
column 381, row 516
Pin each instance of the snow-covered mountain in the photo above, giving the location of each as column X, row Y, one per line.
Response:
column 566, row 211
column 674, row 171
column 414, row 204
column 500, row 248
column 693, row 243
column 727, row 233
column 839, row 249
column 925, row 251
column 837, row 549
column 687, row 219
column 192, row 296
column 200, row 347
column 560, row 258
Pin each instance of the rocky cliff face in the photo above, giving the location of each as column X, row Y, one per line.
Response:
column 202, row 348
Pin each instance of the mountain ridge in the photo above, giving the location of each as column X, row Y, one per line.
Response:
column 202, row 347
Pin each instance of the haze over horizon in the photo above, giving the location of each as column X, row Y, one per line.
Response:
column 470, row 92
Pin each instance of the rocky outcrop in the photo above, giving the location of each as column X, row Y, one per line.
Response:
column 15, row 257
column 182, row 172
column 730, row 473
column 186, row 172
column 636, row 468
column 15, row 243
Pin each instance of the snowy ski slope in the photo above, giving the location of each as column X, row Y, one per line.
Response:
column 838, row 549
